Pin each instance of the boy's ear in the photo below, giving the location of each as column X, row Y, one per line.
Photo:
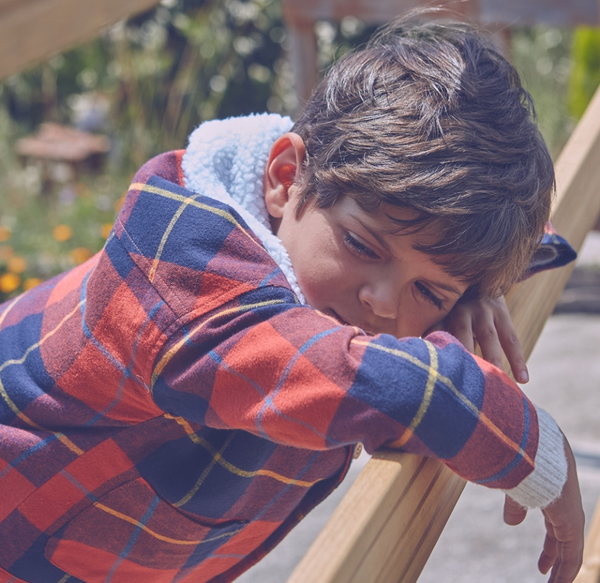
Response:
column 285, row 162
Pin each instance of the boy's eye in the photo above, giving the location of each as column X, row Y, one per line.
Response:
column 356, row 247
column 429, row 295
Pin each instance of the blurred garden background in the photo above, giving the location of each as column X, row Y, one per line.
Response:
column 146, row 82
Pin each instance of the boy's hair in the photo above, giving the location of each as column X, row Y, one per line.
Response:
column 431, row 117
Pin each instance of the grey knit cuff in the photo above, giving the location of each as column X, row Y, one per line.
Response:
column 546, row 481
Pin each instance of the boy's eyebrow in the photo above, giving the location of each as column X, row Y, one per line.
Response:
column 373, row 233
column 448, row 288
column 384, row 244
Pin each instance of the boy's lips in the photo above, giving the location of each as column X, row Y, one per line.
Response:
column 344, row 321
column 371, row 330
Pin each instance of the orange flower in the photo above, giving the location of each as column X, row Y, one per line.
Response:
column 105, row 230
column 17, row 264
column 31, row 282
column 80, row 255
column 62, row 233
column 9, row 282
column 4, row 234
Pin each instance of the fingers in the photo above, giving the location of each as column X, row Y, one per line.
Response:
column 549, row 552
column 565, row 561
column 513, row 513
column 460, row 324
column 486, row 332
column 488, row 322
column 509, row 340
column 563, row 548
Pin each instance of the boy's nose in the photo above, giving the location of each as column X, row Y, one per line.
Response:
column 380, row 299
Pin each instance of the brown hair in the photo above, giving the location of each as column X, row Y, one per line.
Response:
column 431, row 117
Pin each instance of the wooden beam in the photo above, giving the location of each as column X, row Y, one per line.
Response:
column 575, row 213
column 590, row 570
column 385, row 527
column 34, row 30
column 392, row 516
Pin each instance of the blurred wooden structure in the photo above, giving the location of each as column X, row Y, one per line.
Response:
column 34, row 30
column 63, row 144
column 495, row 15
column 62, row 150
column 386, row 526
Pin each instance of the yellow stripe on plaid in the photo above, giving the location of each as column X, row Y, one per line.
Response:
column 448, row 383
column 155, row 534
column 186, row 202
column 215, row 458
column 229, row 466
column 60, row 436
column 427, row 395
column 174, row 349
column 163, row 241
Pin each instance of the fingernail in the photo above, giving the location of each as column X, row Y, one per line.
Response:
column 523, row 377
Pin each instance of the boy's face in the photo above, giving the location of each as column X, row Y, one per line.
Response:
column 354, row 266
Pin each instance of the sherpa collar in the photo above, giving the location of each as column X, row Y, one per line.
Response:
column 226, row 160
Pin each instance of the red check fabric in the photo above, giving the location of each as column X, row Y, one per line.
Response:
column 169, row 411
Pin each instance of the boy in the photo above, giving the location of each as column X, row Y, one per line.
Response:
column 173, row 407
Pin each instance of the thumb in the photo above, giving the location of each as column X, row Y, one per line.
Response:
column 513, row 513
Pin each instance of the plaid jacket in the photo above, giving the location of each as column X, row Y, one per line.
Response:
column 169, row 411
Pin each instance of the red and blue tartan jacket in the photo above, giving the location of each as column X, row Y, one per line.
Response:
column 169, row 411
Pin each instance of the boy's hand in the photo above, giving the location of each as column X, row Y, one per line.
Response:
column 488, row 323
column 563, row 547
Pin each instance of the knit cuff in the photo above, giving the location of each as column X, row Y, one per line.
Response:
column 546, row 482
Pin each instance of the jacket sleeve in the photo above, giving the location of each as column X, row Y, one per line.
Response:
column 294, row 376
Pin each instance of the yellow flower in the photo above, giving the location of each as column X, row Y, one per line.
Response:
column 6, row 252
column 4, row 234
column 31, row 282
column 17, row 264
column 105, row 230
column 9, row 282
column 62, row 233
column 80, row 255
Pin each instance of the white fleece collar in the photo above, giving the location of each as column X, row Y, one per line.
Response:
column 226, row 160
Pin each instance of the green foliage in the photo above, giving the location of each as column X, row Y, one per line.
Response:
column 146, row 83
column 541, row 54
column 585, row 76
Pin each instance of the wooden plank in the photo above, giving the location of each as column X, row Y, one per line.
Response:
column 590, row 570
column 34, row 30
column 395, row 501
column 309, row 11
column 391, row 510
column 575, row 212
column 550, row 12
column 507, row 12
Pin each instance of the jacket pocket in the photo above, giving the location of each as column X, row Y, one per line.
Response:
column 130, row 535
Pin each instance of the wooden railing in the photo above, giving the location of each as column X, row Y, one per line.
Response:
column 389, row 521
column 33, row 30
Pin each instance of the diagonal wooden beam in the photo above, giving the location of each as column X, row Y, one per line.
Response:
column 34, row 30
column 389, row 521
